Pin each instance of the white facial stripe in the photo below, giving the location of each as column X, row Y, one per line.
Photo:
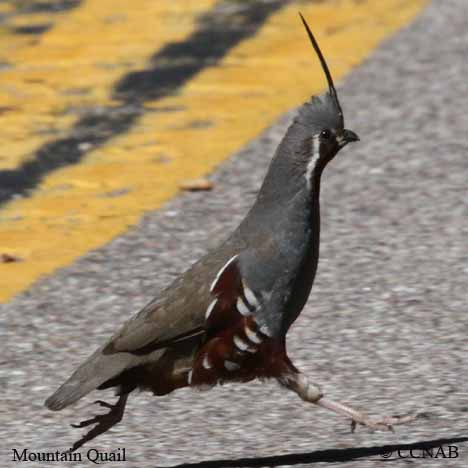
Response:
column 250, row 297
column 314, row 158
column 252, row 336
column 242, row 308
column 220, row 272
column 189, row 377
column 210, row 308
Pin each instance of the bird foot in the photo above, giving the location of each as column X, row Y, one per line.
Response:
column 103, row 421
column 357, row 417
column 382, row 424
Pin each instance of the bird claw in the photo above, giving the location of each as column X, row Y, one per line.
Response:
column 84, row 423
column 104, row 404
column 385, row 423
column 103, row 421
column 99, row 418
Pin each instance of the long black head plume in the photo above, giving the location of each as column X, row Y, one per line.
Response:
column 313, row 139
column 331, row 85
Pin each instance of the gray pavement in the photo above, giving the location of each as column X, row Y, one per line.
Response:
column 386, row 327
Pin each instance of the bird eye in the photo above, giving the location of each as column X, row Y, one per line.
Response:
column 325, row 134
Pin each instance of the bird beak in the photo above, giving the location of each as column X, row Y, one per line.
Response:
column 346, row 137
column 349, row 136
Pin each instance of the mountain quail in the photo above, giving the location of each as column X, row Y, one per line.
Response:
column 226, row 318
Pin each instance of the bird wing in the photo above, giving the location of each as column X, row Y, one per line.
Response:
column 158, row 325
column 181, row 310
column 176, row 315
column 181, row 313
column 161, row 322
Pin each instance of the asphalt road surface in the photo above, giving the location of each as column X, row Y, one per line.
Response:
column 385, row 329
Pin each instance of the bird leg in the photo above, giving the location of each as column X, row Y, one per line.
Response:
column 311, row 393
column 103, row 421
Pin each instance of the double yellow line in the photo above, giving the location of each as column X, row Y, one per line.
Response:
column 72, row 68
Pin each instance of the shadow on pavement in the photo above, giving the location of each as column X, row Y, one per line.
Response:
column 437, row 448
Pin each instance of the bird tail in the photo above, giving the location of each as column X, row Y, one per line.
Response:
column 96, row 370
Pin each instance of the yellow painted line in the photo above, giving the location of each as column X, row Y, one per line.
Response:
column 74, row 210
column 10, row 43
column 72, row 67
column 30, row 116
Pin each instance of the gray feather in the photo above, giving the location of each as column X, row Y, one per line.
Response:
column 93, row 372
column 178, row 311
column 319, row 113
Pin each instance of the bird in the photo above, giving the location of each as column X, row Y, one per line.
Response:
column 226, row 318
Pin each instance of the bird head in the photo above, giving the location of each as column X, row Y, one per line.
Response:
column 312, row 140
column 323, row 119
